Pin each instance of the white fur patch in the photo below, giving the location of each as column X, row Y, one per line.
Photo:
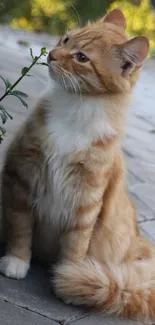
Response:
column 13, row 267
column 75, row 121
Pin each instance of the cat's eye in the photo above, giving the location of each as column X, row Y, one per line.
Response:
column 80, row 57
column 65, row 40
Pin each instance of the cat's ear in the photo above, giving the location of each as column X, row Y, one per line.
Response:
column 115, row 17
column 132, row 54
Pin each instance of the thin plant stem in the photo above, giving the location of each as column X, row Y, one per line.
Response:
column 22, row 76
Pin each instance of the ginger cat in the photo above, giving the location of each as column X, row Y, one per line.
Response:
column 63, row 183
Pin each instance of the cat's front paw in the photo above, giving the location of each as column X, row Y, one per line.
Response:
column 13, row 267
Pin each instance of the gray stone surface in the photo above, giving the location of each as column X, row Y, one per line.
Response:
column 98, row 320
column 30, row 301
column 148, row 229
column 11, row 314
column 34, row 293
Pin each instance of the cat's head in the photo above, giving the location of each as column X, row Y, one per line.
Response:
column 98, row 58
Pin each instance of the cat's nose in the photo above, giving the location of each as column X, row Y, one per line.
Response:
column 51, row 57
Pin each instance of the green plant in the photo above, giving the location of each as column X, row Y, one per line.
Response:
column 9, row 89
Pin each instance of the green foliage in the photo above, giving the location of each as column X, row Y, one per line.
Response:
column 52, row 16
column 9, row 89
column 55, row 16
column 140, row 19
column 91, row 10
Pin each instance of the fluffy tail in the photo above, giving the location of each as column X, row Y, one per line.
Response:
column 128, row 289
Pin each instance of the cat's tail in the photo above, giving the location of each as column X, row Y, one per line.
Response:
column 127, row 289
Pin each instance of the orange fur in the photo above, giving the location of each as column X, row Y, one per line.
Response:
column 65, row 172
column 115, row 238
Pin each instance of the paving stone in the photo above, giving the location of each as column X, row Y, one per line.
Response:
column 146, row 138
column 138, row 123
column 137, row 149
column 148, row 229
column 98, row 320
column 142, row 171
column 144, row 213
column 34, row 294
column 146, row 194
column 137, row 128
column 131, row 179
column 13, row 315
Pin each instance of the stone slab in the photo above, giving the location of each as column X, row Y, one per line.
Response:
column 11, row 314
column 34, row 294
column 98, row 320
column 148, row 230
column 144, row 213
column 146, row 193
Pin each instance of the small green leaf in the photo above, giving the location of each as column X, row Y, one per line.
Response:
column 19, row 93
column 3, row 117
column 16, row 94
column 22, row 101
column 4, row 112
column 31, row 53
column 43, row 63
column 24, row 71
column 8, row 83
column 152, row 131
column 11, row 118
column 3, row 131
column 5, row 82
column 43, row 51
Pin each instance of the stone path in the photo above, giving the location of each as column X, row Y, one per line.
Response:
column 30, row 301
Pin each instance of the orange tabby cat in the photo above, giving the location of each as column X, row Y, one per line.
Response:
column 63, row 182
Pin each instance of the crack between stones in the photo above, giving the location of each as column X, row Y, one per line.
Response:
column 32, row 310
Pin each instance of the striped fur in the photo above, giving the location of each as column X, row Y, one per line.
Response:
column 64, row 176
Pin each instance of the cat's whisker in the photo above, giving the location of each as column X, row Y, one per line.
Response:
column 67, row 79
column 79, row 88
column 75, row 81
column 72, row 83
column 71, row 80
column 64, row 81
column 61, row 75
column 72, row 8
column 64, row 75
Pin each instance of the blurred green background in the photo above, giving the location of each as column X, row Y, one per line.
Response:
column 55, row 16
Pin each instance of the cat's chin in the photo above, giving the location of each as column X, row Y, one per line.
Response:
column 55, row 79
column 52, row 74
column 58, row 81
column 68, row 85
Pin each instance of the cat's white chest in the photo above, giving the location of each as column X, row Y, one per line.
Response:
column 72, row 124
column 75, row 121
